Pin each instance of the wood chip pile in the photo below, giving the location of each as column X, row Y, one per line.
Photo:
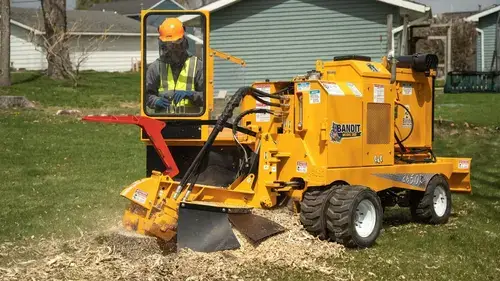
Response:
column 115, row 255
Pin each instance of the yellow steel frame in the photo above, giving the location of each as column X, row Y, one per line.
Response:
column 297, row 144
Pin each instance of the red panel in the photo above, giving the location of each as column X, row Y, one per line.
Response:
column 153, row 129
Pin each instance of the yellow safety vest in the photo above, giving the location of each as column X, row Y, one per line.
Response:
column 185, row 81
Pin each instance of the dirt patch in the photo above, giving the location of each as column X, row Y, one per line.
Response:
column 119, row 255
column 452, row 129
column 133, row 105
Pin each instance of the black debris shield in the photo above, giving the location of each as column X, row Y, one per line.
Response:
column 205, row 227
column 255, row 227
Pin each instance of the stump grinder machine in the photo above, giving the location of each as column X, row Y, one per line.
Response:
column 338, row 144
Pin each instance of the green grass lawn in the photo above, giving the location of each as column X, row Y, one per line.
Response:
column 476, row 109
column 96, row 90
column 60, row 175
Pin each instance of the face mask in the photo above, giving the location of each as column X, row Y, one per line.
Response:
column 173, row 53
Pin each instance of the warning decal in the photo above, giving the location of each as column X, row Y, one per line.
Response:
column 301, row 167
column 305, row 86
column 140, row 196
column 354, row 90
column 314, row 96
column 333, row 89
column 463, row 164
column 378, row 93
column 407, row 89
column 407, row 118
column 263, row 117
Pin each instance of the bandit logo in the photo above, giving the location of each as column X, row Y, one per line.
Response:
column 344, row 131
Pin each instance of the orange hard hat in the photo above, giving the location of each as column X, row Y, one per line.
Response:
column 171, row 30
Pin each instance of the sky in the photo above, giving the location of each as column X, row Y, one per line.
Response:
column 445, row 6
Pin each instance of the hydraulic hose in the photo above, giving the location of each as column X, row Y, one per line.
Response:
column 276, row 95
column 233, row 103
column 219, row 126
column 411, row 118
column 235, row 126
column 266, row 102
column 248, row 112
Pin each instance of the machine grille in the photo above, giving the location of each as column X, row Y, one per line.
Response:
column 378, row 123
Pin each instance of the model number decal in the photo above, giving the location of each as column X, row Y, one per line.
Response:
column 413, row 179
column 419, row 180
column 378, row 159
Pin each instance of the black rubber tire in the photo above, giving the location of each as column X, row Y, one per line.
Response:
column 341, row 214
column 422, row 204
column 312, row 211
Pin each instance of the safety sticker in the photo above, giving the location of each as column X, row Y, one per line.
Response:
column 333, row 89
column 273, row 169
column 140, row 196
column 264, row 88
column 266, row 167
column 378, row 93
column 262, row 117
column 354, row 90
column 314, row 96
column 301, row 167
column 304, row 86
column 407, row 123
column 463, row 164
column 344, row 131
column 407, row 89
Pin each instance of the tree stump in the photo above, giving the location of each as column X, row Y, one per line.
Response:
column 15, row 101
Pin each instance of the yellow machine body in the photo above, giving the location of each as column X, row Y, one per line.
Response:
column 300, row 144
column 351, row 96
column 335, row 127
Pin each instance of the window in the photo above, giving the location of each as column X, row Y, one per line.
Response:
column 174, row 82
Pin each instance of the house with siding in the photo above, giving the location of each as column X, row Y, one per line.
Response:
column 37, row 4
column 280, row 39
column 486, row 22
column 132, row 8
column 117, row 52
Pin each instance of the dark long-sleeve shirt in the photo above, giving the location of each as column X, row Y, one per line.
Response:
column 153, row 78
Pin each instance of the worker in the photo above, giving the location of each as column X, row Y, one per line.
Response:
column 174, row 81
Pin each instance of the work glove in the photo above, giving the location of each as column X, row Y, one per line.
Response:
column 162, row 102
column 180, row 95
column 169, row 94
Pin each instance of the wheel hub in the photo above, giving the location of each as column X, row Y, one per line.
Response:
column 440, row 201
column 365, row 218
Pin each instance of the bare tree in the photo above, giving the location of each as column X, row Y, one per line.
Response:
column 54, row 15
column 463, row 46
column 5, row 44
column 83, row 49
column 85, row 46
column 79, row 47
